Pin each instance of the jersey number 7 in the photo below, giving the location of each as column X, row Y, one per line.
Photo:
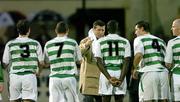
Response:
column 60, row 48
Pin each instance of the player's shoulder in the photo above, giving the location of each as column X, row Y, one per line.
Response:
column 174, row 40
column 33, row 41
column 11, row 41
column 139, row 38
column 50, row 41
column 123, row 39
column 71, row 40
column 159, row 39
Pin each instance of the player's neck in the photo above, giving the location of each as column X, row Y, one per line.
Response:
column 61, row 35
column 144, row 33
column 23, row 36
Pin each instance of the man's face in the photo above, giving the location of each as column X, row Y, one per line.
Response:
column 99, row 31
column 175, row 29
column 138, row 31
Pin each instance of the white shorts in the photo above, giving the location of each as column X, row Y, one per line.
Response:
column 154, row 86
column 106, row 88
column 23, row 86
column 0, row 97
column 63, row 90
column 176, row 87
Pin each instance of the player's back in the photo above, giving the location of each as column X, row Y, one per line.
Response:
column 62, row 56
column 154, row 50
column 23, row 54
column 113, row 50
column 175, row 43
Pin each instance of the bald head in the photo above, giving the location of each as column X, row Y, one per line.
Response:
column 177, row 22
column 176, row 27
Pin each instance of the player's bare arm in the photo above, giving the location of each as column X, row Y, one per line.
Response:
column 137, row 59
column 124, row 69
column 100, row 65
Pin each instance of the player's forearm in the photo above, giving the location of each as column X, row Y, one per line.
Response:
column 137, row 60
column 41, row 66
column 5, row 65
column 168, row 65
column 102, row 69
column 125, row 68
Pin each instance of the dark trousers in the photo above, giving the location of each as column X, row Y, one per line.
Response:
column 92, row 98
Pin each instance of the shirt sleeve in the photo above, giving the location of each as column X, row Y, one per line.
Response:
column 96, row 48
column 78, row 55
column 138, row 46
column 169, row 53
column 45, row 54
column 6, row 55
column 127, row 50
column 39, row 52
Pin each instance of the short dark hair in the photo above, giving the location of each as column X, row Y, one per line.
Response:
column 112, row 26
column 98, row 23
column 61, row 27
column 23, row 27
column 143, row 24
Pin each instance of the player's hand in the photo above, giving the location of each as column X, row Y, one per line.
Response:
column 88, row 42
column 1, row 87
column 85, row 40
column 135, row 74
column 37, row 74
column 114, row 81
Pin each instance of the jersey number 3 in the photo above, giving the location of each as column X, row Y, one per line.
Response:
column 26, row 52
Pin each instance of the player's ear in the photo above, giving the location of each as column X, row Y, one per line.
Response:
column 29, row 31
column 55, row 31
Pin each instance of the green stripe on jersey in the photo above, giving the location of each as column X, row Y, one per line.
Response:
column 63, row 75
column 63, row 52
column 66, row 43
column 24, row 73
column 114, row 66
column 63, row 68
column 60, row 60
column 24, row 59
column 22, row 51
column 153, row 55
column 176, row 46
column 153, row 63
column 176, row 53
column 24, row 67
column 176, row 70
column 113, row 57
column 1, row 74
column 18, row 44
column 177, row 61
column 119, row 41
column 113, row 49
column 150, row 39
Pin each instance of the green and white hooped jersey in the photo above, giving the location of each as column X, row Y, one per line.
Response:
column 23, row 54
column 153, row 50
column 62, row 54
column 173, row 54
column 112, row 49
